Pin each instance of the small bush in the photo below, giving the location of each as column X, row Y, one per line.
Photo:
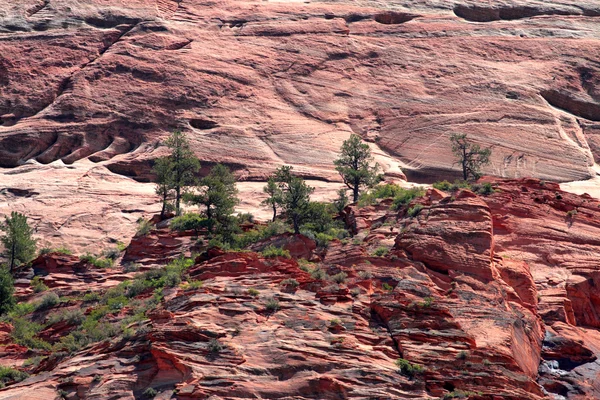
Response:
column 571, row 213
column 340, row 277
column 253, row 292
column 335, row 322
column 426, row 303
column 111, row 254
column 407, row 368
column 414, row 210
column 387, row 287
column 272, row 251
column 381, row 252
column 365, row 275
column 48, row 301
column 462, row 355
column 190, row 221
column 150, row 393
column 405, row 196
column 8, row 374
column 144, row 227
column 97, row 262
column 214, row 346
column 72, row 317
column 24, row 333
column 290, row 282
column 318, row 274
column 272, row 305
column 37, row 284
column 459, row 394
column 484, row 189
column 193, row 285
column 131, row 267
column 354, row 292
column 91, row 297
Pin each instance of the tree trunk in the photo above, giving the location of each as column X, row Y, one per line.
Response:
column 164, row 208
column 12, row 255
column 177, row 199
column 296, row 225
column 355, row 193
column 274, row 212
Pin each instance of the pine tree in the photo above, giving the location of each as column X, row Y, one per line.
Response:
column 19, row 246
column 354, row 165
column 163, row 168
column 218, row 194
column 471, row 157
column 295, row 195
column 7, row 290
column 184, row 166
column 273, row 190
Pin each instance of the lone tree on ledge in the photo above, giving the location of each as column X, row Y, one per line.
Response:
column 19, row 246
column 354, row 165
column 184, row 166
column 470, row 156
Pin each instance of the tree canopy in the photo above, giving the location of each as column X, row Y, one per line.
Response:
column 470, row 156
column 354, row 165
column 19, row 246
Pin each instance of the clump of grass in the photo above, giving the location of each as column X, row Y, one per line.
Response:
column 339, row 277
column 37, row 284
column 193, row 285
column 272, row 251
column 291, row 282
column 459, row 394
column 407, row 368
column 144, row 227
column 414, row 210
column 381, row 251
column 253, row 292
column 365, row 275
column 386, row 286
column 48, row 301
column 318, row 274
column 150, row 393
column 97, row 262
column 272, row 305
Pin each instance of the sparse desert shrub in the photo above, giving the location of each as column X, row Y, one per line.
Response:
column 290, row 282
column 214, row 346
column 96, row 261
column 24, row 333
column 272, row 305
column 387, row 287
column 111, row 254
column 190, row 221
column 48, row 301
column 459, row 394
column 462, row 355
column 37, row 284
column 272, row 251
column 8, row 374
column 340, row 277
column 131, row 267
column 72, row 317
column 365, row 275
column 144, row 227
column 318, row 274
column 381, row 251
column 414, row 210
column 253, row 292
column 405, row 196
column 150, row 393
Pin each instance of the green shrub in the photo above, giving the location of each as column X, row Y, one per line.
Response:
column 97, row 262
column 272, row 305
column 48, row 301
column 37, row 284
column 459, row 394
column 193, row 285
column 253, row 292
column 91, row 297
column 72, row 317
column 318, row 273
column 62, row 250
column 8, row 374
column 414, row 210
column 405, row 196
column 407, row 368
column 214, row 346
column 24, row 333
column 462, row 355
column 150, row 393
column 571, row 213
column 290, row 282
column 484, row 189
column 427, row 302
column 111, row 254
column 190, row 221
column 339, row 277
column 381, row 252
column 387, row 287
column 144, row 227
column 273, row 251
column 365, row 274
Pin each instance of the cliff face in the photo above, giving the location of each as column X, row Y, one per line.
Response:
column 259, row 84
column 493, row 296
